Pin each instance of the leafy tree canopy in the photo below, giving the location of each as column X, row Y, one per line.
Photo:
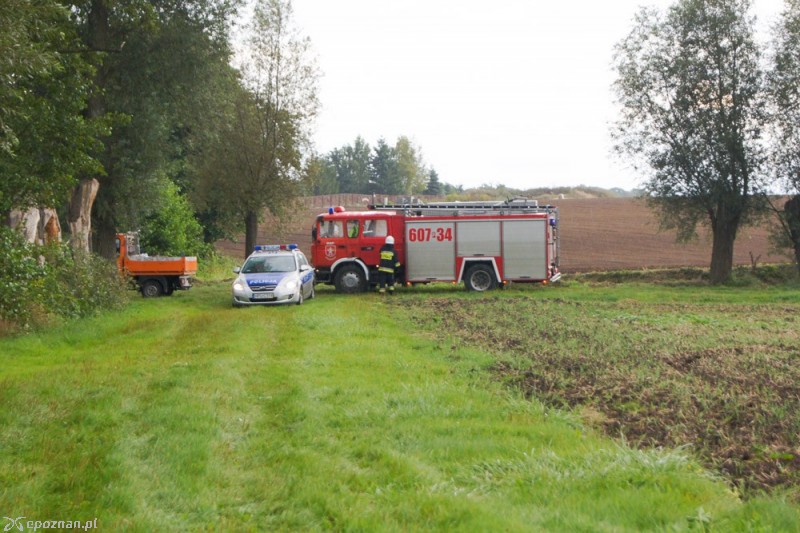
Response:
column 690, row 91
column 45, row 141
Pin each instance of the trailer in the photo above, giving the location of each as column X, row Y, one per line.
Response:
column 153, row 275
column 483, row 244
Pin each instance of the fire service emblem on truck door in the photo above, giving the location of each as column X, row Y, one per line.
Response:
column 330, row 251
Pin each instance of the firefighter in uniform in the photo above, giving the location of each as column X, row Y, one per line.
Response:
column 388, row 266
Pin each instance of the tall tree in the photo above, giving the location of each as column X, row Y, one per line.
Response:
column 434, row 187
column 153, row 62
column 411, row 167
column 690, row 90
column 272, row 117
column 352, row 166
column 215, row 186
column 359, row 165
column 320, row 176
column 44, row 138
column 386, row 175
column 784, row 90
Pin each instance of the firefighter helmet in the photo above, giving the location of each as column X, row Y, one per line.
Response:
column 389, row 240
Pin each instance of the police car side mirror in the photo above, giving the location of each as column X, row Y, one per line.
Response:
column 236, row 270
column 305, row 268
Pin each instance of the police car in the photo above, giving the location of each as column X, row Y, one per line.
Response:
column 275, row 274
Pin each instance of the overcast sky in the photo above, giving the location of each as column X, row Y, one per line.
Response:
column 516, row 92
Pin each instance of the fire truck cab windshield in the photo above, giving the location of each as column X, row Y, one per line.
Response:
column 330, row 229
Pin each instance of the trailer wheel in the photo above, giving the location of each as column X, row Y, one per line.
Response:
column 350, row 279
column 480, row 278
column 152, row 288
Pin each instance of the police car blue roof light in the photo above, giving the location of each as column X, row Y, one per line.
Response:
column 275, row 247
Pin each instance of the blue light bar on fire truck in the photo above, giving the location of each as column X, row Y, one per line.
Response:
column 275, row 247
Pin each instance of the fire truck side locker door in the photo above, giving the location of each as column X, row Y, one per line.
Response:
column 525, row 249
column 430, row 250
column 479, row 238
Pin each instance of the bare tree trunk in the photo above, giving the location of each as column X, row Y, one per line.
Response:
column 105, row 235
column 797, row 256
column 25, row 222
column 722, row 253
column 80, row 214
column 251, row 232
column 49, row 226
column 792, row 213
column 84, row 195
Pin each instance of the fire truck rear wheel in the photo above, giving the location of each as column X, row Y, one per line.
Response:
column 480, row 278
column 350, row 279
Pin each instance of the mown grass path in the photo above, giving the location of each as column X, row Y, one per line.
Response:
column 184, row 414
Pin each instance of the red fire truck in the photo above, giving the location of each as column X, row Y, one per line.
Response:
column 482, row 244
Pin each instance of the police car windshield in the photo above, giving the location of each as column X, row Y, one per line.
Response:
column 269, row 263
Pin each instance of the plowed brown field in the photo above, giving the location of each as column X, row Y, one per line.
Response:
column 622, row 233
column 596, row 234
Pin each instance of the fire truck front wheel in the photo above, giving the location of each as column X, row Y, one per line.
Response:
column 350, row 279
column 480, row 278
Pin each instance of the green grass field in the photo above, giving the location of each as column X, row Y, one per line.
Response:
column 710, row 368
column 351, row 413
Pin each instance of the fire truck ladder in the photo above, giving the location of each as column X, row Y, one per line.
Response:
column 517, row 205
column 469, row 208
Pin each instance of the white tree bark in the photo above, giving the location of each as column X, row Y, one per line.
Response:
column 80, row 214
column 37, row 225
column 26, row 222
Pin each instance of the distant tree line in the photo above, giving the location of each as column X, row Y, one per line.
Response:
column 382, row 169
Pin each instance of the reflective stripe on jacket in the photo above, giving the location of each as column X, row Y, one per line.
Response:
column 389, row 260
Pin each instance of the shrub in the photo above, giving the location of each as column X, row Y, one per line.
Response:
column 83, row 283
column 38, row 283
column 217, row 267
column 173, row 229
column 21, row 278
